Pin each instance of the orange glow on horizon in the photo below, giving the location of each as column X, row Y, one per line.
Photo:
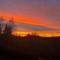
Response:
column 18, row 33
column 38, row 33
column 21, row 32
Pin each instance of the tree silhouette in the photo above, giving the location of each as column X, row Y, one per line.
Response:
column 7, row 30
column 9, row 27
column 1, row 24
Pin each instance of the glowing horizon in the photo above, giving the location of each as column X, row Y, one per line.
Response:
column 22, row 34
column 38, row 33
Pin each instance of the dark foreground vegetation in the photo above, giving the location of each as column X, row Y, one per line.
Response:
column 29, row 47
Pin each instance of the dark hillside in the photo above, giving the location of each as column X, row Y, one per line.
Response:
column 30, row 47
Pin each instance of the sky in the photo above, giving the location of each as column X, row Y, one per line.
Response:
column 32, row 14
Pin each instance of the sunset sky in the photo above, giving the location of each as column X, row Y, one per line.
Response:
column 32, row 14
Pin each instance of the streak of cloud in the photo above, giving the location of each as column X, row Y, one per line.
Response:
column 49, row 10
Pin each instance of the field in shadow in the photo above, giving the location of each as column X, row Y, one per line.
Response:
column 30, row 47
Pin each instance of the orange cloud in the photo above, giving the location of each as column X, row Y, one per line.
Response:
column 29, row 20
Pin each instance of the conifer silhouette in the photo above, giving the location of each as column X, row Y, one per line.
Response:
column 9, row 27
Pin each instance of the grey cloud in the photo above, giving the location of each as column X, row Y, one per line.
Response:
column 33, row 27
